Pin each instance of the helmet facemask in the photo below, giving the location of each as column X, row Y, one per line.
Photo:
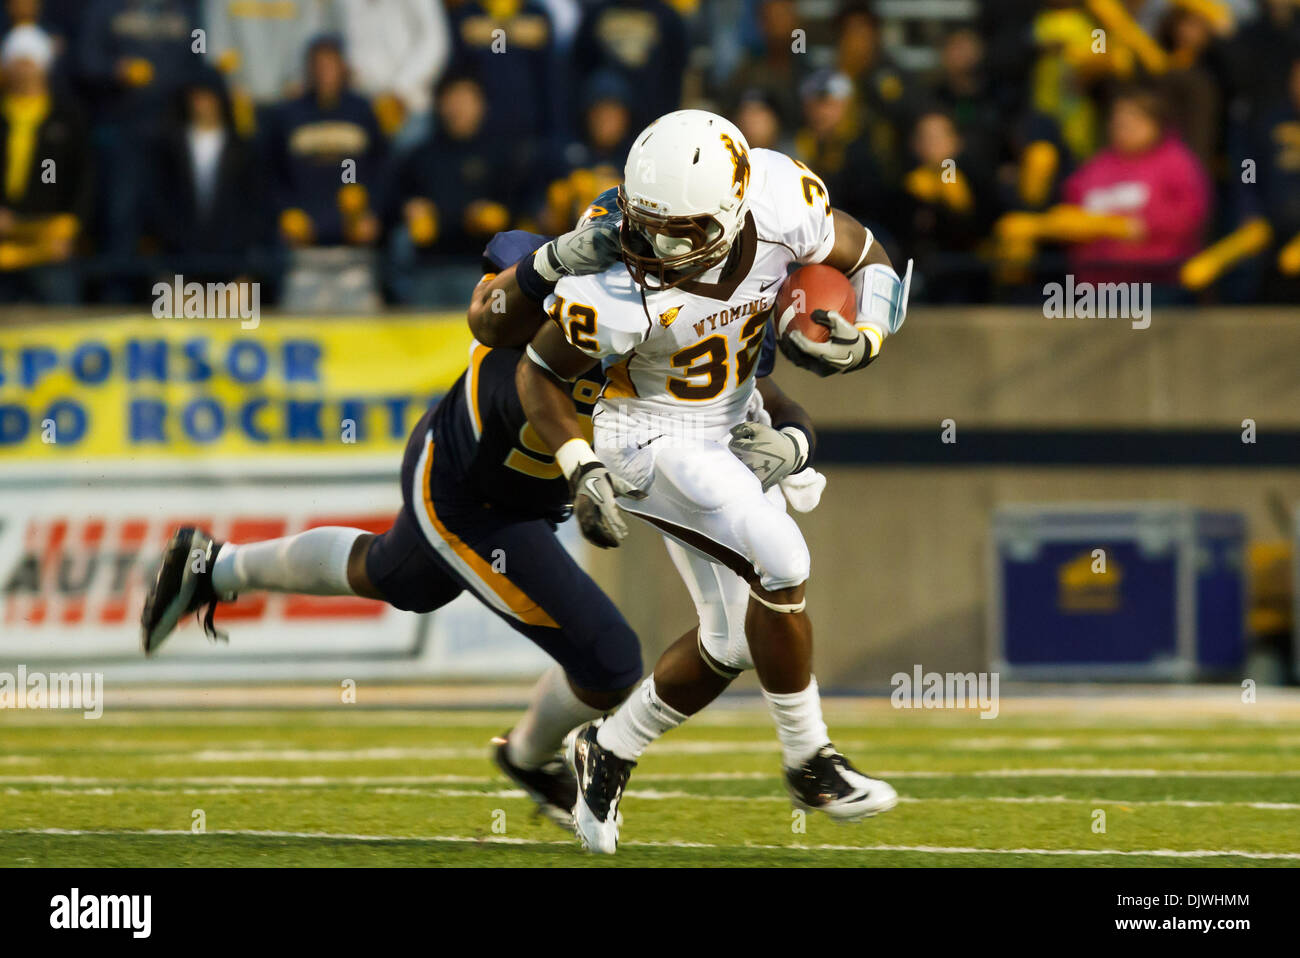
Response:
column 662, row 252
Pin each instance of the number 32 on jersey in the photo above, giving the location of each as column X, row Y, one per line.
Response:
column 706, row 366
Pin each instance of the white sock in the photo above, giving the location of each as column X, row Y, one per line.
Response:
column 799, row 725
column 553, row 712
column 314, row 562
column 638, row 722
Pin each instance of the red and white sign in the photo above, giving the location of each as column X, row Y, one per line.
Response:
column 76, row 561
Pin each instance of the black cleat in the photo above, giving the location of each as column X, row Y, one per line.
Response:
column 601, row 777
column 183, row 585
column 551, row 786
column 828, row 783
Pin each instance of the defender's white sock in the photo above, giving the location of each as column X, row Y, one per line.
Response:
column 552, row 714
column 799, row 725
column 638, row 722
column 314, row 562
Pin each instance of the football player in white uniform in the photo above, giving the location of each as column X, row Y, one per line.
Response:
column 675, row 309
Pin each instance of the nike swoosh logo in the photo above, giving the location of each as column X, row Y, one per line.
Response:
column 764, row 288
column 594, row 490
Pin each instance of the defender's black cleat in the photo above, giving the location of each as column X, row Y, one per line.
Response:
column 828, row 783
column 602, row 776
column 183, row 585
column 551, row 786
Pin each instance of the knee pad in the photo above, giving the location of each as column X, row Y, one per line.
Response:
column 779, row 552
column 722, row 638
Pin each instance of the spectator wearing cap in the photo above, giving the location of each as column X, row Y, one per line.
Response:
column 645, row 43
column 397, row 49
column 774, row 69
column 828, row 125
column 208, row 208
column 462, row 184
column 60, row 19
column 259, row 46
column 593, row 162
column 47, row 180
column 326, row 154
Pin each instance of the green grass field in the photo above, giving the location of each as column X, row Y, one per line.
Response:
column 1194, row 780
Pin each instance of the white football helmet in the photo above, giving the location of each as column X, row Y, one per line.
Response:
column 684, row 197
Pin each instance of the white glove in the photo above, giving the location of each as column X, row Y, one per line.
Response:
column 847, row 348
column 771, row 454
column 592, row 247
column 803, row 490
column 594, row 490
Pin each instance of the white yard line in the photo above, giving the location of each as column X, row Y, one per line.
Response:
column 506, row 840
column 459, row 753
column 653, row 795
column 365, row 780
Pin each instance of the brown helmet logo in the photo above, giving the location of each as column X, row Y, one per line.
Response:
column 739, row 163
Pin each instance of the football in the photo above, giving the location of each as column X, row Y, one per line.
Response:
column 809, row 289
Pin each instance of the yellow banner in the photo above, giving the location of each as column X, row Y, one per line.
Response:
column 167, row 388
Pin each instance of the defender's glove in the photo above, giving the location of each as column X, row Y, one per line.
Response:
column 594, row 490
column 771, row 454
column 592, row 247
column 847, row 349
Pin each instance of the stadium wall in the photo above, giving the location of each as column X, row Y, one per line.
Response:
column 1041, row 410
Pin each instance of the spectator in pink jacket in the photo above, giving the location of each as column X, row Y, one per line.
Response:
column 1149, row 177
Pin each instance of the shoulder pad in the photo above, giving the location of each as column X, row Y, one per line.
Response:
column 603, row 209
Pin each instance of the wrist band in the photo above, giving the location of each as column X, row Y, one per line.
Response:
column 803, row 438
column 573, row 455
column 532, row 283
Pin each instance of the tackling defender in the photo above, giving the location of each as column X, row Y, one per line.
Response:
column 708, row 232
column 474, row 481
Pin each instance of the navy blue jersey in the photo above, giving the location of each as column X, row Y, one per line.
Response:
column 485, row 444
column 485, row 439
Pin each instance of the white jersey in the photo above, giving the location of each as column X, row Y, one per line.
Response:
column 688, row 354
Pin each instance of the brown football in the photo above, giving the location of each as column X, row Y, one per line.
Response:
column 809, row 289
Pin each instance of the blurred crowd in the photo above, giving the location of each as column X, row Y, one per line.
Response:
column 1121, row 140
